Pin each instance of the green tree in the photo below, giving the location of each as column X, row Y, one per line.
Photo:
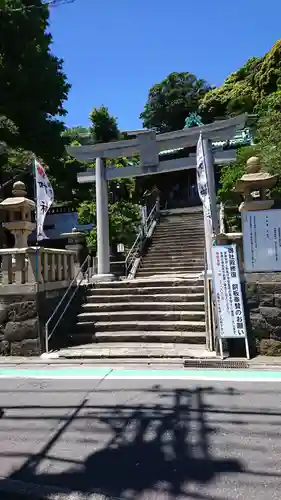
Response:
column 124, row 212
column 172, row 100
column 15, row 162
column 229, row 174
column 245, row 89
column 124, row 219
column 268, row 137
column 33, row 85
column 80, row 134
column 104, row 126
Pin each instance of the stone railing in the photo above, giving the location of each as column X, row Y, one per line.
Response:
column 31, row 265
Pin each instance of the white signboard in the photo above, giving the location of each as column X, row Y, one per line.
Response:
column 262, row 240
column 227, row 288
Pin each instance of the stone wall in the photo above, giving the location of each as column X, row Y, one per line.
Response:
column 263, row 309
column 23, row 318
column 47, row 302
column 19, row 326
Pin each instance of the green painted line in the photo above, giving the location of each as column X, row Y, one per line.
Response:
column 100, row 373
column 197, row 373
column 54, row 372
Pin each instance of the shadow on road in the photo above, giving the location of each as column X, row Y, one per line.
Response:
column 151, row 447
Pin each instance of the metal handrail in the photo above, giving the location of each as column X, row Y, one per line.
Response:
column 140, row 239
column 150, row 217
column 133, row 251
column 75, row 280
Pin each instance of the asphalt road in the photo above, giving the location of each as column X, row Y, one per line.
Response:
column 141, row 439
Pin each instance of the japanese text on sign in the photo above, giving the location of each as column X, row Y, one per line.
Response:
column 262, row 240
column 230, row 310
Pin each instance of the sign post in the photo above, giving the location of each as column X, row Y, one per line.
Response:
column 228, row 296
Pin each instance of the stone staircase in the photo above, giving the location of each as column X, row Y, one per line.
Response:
column 141, row 318
column 177, row 246
column 160, row 313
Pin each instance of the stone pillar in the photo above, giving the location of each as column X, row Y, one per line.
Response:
column 76, row 243
column 103, row 252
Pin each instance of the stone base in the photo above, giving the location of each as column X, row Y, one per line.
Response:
column 252, row 206
column 99, row 278
column 270, row 347
column 263, row 312
column 19, row 326
column 23, row 318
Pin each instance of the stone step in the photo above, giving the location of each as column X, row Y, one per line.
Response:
column 188, row 221
column 136, row 325
column 187, row 253
column 187, row 239
column 173, row 247
column 165, row 266
column 170, row 251
column 183, row 238
column 192, row 243
column 167, row 221
column 171, row 260
column 196, row 224
column 138, row 336
column 134, row 350
column 178, row 230
column 95, row 306
column 142, row 273
column 165, row 271
column 190, row 239
column 183, row 233
column 170, row 281
column 140, row 315
column 195, row 297
column 179, row 234
column 148, row 290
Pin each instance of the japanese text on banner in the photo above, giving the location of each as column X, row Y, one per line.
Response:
column 44, row 198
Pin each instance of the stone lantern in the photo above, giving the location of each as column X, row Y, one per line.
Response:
column 255, row 186
column 19, row 210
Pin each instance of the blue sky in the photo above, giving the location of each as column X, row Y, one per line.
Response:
column 115, row 50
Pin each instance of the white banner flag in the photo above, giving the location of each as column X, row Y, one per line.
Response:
column 202, row 180
column 44, row 198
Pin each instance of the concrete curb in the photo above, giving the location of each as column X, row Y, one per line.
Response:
column 259, row 363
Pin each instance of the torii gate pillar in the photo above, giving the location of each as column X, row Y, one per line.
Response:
column 103, row 249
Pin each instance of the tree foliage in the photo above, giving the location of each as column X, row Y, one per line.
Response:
column 124, row 212
column 33, row 86
column 124, row 219
column 14, row 161
column 229, row 174
column 269, row 137
column 245, row 89
column 172, row 100
column 104, row 126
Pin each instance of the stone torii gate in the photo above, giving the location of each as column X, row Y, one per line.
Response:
column 149, row 145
